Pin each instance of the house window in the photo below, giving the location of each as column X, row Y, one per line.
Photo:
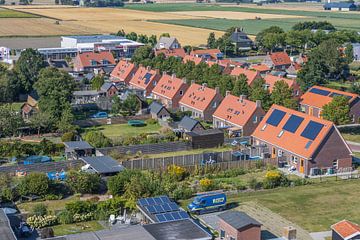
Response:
column 335, row 164
column 181, row 92
column 280, row 153
column 294, row 159
column 214, row 105
column 222, row 234
column 302, row 109
column 297, row 93
column 254, row 119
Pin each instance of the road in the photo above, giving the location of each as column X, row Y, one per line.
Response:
column 355, row 147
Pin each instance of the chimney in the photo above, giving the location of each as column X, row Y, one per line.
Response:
column 242, row 98
column 258, row 103
column 164, row 73
column 192, row 81
column 289, row 233
column 157, row 71
column 227, row 93
column 217, row 90
column 148, row 68
column 204, row 85
column 173, row 76
column 184, row 80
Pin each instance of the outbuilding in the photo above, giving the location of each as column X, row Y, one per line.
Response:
column 103, row 165
column 340, row 6
column 76, row 149
column 205, row 138
column 158, row 111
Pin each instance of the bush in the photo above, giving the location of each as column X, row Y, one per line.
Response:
column 39, row 209
column 116, row 184
column 68, row 136
column 82, row 182
column 97, row 139
column 151, row 121
column 177, row 172
column 80, row 207
column 182, row 192
column 254, row 184
column 8, row 194
column 207, row 184
column 274, row 178
column 34, row 183
column 83, row 217
column 65, row 217
column 41, row 221
column 53, row 197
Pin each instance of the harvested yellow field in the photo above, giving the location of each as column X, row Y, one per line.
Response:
column 230, row 15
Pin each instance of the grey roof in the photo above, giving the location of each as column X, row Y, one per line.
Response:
column 205, row 132
column 6, row 232
column 188, row 123
column 86, row 93
column 106, row 86
column 239, row 36
column 339, row 5
column 155, row 107
column 166, row 41
column 238, row 220
column 177, row 230
column 78, row 145
column 103, row 164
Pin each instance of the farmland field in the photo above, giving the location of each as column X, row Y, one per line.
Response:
column 6, row 13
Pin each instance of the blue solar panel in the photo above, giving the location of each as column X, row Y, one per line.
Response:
column 176, row 215
column 142, row 202
column 147, row 77
column 319, row 91
column 293, row 123
column 165, row 199
column 168, row 217
column 275, row 117
column 183, row 215
column 160, row 217
column 159, row 209
column 166, row 207
column 151, row 201
column 312, row 130
column 174, row 206
column 151, row 209
column 158, row 200
column 338, row 94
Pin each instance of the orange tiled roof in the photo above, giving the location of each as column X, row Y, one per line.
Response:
column 292, row 142
column 168, row 86
column 198, row 97
column 86, row 58
column 250, row 74
column 234, row 110
column 317, row 100
column 280, row 58
column 194, row 59
column 346, row 229
column 122, row 70
column 143, row 78
column 260, row 67
column 271, row 80
column 175, row 52
column 212, row 52
column 229, row 62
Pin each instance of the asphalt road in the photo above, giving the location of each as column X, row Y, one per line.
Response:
column 355, row 147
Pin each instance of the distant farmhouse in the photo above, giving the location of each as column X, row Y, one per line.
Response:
column 340, row 6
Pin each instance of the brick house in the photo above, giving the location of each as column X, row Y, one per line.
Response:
column 170, row 90
column 208, row 54
column 158, row 111
column 109, row 89
column 250, row 74
column 31, row 106
column 196, row 60
column 238, row 114
column 88, row 61
column 201, row 100
column 175, row 52
column 235, row 225
column 277, row 60
column 345, row 230
column 123, row 72
column 306, row 143
column 188, row 124
column 270, row 81
column 313, row 101
column 145, row 79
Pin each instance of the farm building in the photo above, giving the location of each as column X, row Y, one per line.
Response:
column 174, row 52
column 241, row 40
column 201, row 100
column 158, row 111
column 145, row 79
column 251, row 75
column 188, row 124
column 356, row 51
column 170, row 90
column 76, row 149
column 345, row 230
column 238, row 115
column 209, row 138
column 235, row 225
column 89, row 61
column 277, row 61
column 123, row 72
column 167, row 43
column 316, row 97
column 208, row 54
column 340, row 6
column 30, row 107
column 307, row 144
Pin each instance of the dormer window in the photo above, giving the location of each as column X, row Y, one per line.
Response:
column 214, row 105
column 104, row 61
column 93, row 63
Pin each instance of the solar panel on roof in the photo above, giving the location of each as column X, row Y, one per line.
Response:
column 319, row 91
column 159, row 209
column 142, row 202
column 147, row 77
column 275, row 117
column 165, row 199
column 184, row 215
column 166, row 207
column 176, row 215
column 312, row 130
column 293, row 123
column 168, row 217
column 338, row 94
column 150, row 201
column 151, row 209
column 160, row 217
column 174, row 206
column 158, row 200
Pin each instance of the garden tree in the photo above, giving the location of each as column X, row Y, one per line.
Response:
column 66, row 121
column 9, row 85
column 130, row 105
column 310, row 25
column 82, row 182
column 271, row 30
column 28, row 68
column 337, row 111
column 10, row 121
column 224, row 42
column 241, row 86
column 258, row 92
column 116, row 184
column 143, row 38
column 116, row 104
column 152, row 40
column 318, row 37
column 39, row 209
column 97, row 139
column 345, row 36
column 40, row 121
column 34, row 184
column 211, row 41
column 298, row 39
column 141, row 54
column 54, row 88
column 97, row 82
column 226, row 83
column 273, row 41
column 165, row 35
column 132, row 36
column 349, row 53
column 121, row 33
column 282, row 95
column 355, row 88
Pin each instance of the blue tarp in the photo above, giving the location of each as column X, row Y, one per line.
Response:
column 56, row 175
column 36, row 159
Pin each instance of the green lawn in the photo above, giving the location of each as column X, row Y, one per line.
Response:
column 6, row 13
column 16, row 105
column 53, row 205
column 351, row 137
column 66, row 229
column 124, row 130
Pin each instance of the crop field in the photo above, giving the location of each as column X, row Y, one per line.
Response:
column 7, row 13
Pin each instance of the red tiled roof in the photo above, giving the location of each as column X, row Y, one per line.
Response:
column 250, row 74
column 317, row 100
column 26, row 108
column 122, row 70
column 198, row 96
column 292, row 142
column 194, row 59
column 234, row 110
column 139, row 79
column 280, row 58
column 212, row 52
column 168, row 86
column 260, row 67
column 175, row 52
column 271, row 80
column 346, row 229
column 86, row 58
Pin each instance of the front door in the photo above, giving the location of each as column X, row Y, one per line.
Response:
column 301, row 169
column 273, row 155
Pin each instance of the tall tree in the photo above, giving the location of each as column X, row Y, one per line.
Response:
column 165, row 35
column 271, row 30
column 152, row 40
column 40, row 120
column 10, row 121
column 97, row 82
column 337, row 110
column 130, row 105
column 28, row 68
column 241, row 86
column 349, row 53
column 141, row 54
column 258, row 92
column 211, row 41
column 282, row 95
column 66, row 121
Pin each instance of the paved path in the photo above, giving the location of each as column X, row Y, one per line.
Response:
column 320, row 235
column 355, row 147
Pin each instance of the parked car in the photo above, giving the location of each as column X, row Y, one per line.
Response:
column 208, row 202
column 100, row 115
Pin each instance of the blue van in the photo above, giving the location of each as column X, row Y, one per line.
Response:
column 208, row 202
column 100, row 115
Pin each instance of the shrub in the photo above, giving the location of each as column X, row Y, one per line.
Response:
column 254, row 184
column 80, row 207
column 151, row 121
column 68, row 136
column 41, row 221
column 39, row 209
column 83, row 217
column 112, row 206
column 97, row 139
column 177, row 172
column 8, row 194
column 34, row 183
column 82, row 182
column 65, row 217
column 182, row 192
column 207, row 184
column 53, row 197
column 116, row 184
column 274, row 178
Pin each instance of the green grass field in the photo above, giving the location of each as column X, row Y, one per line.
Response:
column 124, row 130
column 351, row 137
column 6, row 13
column 66, row 229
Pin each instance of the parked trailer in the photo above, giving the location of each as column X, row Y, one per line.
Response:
column 208, row 202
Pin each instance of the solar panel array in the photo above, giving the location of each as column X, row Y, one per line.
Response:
column 147, row 77
column 312, row 130
column 275, row 117
column 338, row 94
column 293, row 123
column 319, row 91
column 171, row 216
